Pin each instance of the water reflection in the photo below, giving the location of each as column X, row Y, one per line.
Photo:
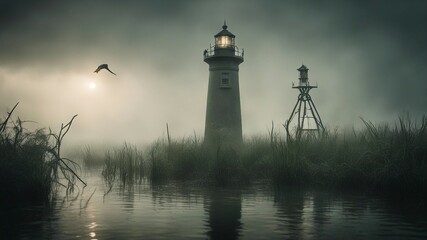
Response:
column 321, row 211
column 92, row 227
column 290, row 210
column 223, row 207
column 19, row 222
column 128, row 198
column 303, row 214
column 178, row 210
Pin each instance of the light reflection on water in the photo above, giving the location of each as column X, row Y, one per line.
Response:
column 189, row 211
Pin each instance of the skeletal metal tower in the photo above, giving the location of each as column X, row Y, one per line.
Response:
column 308, row 117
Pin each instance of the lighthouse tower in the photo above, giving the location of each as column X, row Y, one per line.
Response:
column 223, row 115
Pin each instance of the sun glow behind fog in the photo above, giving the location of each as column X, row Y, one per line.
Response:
column 91, row 85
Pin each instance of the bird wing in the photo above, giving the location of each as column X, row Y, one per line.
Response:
column 98, row 69
column 110, row 71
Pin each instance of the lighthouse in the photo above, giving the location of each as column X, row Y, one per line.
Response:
column 223, row 125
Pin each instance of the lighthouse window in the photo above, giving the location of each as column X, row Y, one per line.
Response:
column 225, row 80
column 224, row 41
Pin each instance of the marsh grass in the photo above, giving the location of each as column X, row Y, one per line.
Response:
column 124, row 165
column 189, row 159
column 91, row 158
column 378, row 158
column 31, row 165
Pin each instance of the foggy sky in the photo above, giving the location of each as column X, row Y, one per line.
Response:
column 368, row 58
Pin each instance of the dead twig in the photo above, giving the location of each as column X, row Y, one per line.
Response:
column 56, row 150
column 9, row 114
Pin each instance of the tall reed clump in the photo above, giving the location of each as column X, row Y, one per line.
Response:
column 185, row 159
column 276, row 158
column 400, row 154
column 379, row 157
column 31, row 165
column 179, row 160
column 190, row 159
column 125, row 164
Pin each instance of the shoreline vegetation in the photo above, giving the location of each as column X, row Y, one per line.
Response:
column 31, row 165
column 378, row 158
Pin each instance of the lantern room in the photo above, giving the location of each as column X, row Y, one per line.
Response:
column 224, row 39
column 303, row 74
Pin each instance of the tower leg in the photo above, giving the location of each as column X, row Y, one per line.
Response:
column 293, row 112
column 304, row 107
column 316, row 116
column 299, row 113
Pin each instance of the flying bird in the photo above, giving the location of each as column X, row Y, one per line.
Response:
column 104, row 66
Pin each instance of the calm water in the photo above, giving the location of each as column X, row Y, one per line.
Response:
column 189, row 211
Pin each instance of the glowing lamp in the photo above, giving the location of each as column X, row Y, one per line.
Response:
column 224, row 39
